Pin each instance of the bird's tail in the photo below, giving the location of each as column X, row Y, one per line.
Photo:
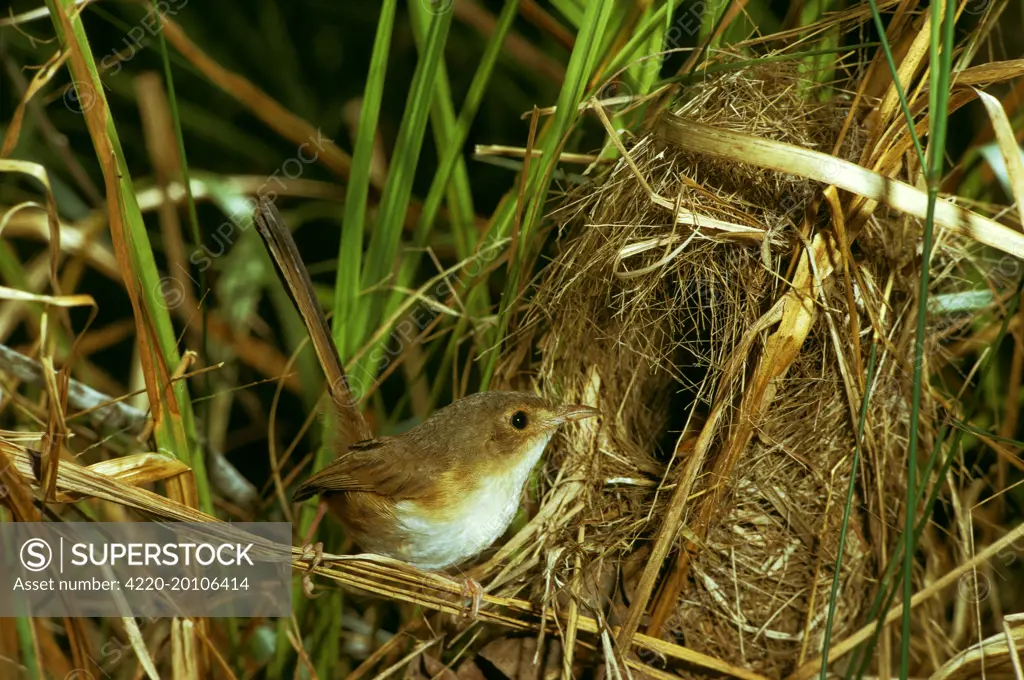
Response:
column 293, row 272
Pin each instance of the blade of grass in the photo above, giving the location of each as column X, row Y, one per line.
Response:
column 346, row 289
column 451, row 152
column 383, row 249
column 624, row 15
column 446, row 130
column 894, row 71
column 847, row 511
column 821, row 71
column 887, row 592
column 941, row 60
column 646, row 66
column 172, row 98
column 174, row 423
column 29, row 648
column 346, row 336
column 580, row 71
column 912, row 495
column 193, row 216
column 709, row 19
column 504, row 211
column 571, row 10
column 641, row 45
column 477, row 301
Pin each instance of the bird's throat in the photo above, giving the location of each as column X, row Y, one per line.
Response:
column 441, row 535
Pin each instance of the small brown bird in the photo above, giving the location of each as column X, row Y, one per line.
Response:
column 442, row 492
column 438, row 494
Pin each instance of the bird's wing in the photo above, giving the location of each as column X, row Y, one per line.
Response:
column 380, row 466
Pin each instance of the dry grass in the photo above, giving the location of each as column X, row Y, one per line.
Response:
column 732, row 366
column 717, row 293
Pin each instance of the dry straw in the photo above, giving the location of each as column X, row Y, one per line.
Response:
column 716, row 295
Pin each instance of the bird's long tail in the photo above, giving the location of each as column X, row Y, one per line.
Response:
column 293, row 272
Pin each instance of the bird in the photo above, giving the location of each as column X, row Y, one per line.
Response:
column 441, row 493
column 434, row 496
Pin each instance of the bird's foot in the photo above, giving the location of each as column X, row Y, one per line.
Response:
column 315, row 554
column 471, row 588
column 307, row 587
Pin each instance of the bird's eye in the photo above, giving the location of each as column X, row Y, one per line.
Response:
column 518, row 420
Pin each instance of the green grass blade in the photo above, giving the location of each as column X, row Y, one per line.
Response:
column 27, row 645
column 193, row 216
column 886, row 593
column 582, row 64
column 571, row 10
column 894, row 71
column 451, row 159
column 346, row 291
column 645, row 69
column 641, row 43
column 175, row 433
column 384, row 241
column 911, row 481
column 941, row 64
column 709, row 19
column 847, row 511
column 820, row 70
column 446, row 132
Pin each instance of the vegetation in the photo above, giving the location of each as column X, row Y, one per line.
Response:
column 706, row 219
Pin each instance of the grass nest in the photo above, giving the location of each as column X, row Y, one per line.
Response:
column 707, row 506
column 726, row 290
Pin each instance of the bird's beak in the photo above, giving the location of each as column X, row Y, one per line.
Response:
column 573, row 412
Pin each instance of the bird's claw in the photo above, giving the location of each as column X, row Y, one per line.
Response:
column 307, row 587
column 315, row 554
column 471, row 588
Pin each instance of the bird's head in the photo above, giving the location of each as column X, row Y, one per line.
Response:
column 504, row 429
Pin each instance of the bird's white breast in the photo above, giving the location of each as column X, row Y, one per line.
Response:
column 485, row 511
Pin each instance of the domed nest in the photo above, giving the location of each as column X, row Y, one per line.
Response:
column 731, row 391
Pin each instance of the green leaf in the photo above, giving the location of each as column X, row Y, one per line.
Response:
column 346, row 295
column 582, row 65
column 382, row 253
column 175, row 433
